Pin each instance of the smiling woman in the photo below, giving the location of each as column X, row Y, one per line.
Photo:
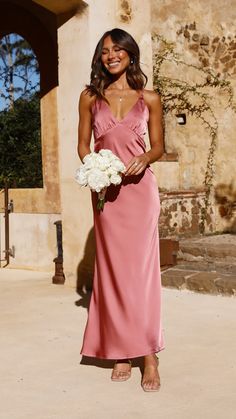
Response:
column 124, row 320
column 112, row 55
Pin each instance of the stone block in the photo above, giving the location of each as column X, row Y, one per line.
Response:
column 232, row 45
column 186, row 34
column 192, row 26
column 204, row 40
column 226, row 284
column 195, row 37
column 225, row 59
column 196, row 264
column 194, row 47
column 229, row 65
column 191, row 248
column 205, row 62
column 175, row 278
column 220, row 250
column 226, row 268
column 212, row 247
column 203, row 282
column 220, row 50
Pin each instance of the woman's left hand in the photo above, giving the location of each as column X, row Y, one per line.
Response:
column 136, row 165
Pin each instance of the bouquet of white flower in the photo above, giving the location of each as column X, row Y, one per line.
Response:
column 98, row 171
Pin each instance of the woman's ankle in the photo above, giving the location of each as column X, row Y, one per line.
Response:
column 151, row 359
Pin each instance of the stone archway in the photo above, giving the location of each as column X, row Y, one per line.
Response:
column 32, row 230
column 39, row 27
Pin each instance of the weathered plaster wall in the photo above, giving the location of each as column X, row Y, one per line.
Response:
column 34, row 239
column 205, row 36
column 74, row 68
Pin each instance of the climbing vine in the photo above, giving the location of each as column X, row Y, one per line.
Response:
column 194, row 98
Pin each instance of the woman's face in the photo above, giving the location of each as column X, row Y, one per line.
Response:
column 114, row 58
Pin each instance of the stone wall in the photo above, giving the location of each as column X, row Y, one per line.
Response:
column 205, row 37
column 181, row 214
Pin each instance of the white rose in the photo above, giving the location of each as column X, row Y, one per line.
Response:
column 89, row 157
column 97, row 180
column 90, row 160
column 111, row 171
column 81, row 176
column 115, row 179
column 118, row 165
column 103, row 162
column 104, row 152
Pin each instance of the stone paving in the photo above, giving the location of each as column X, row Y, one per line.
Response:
column 206, row 282
column 44, row 377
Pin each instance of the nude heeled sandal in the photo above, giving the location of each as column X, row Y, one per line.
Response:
column 125, row 374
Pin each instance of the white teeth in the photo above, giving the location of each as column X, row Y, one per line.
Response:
column 113, row 64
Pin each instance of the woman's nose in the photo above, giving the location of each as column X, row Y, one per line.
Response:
column 111, row 53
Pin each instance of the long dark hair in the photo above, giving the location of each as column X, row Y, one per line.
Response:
column 100, row 77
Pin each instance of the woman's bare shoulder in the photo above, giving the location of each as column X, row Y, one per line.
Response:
column 151, row 97
column 86, row 99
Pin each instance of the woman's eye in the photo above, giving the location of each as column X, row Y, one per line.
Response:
column 116, row 49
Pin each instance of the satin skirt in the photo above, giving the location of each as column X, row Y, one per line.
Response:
column 124, row 318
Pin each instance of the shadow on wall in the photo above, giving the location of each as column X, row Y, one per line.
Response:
column 225, row 196
column 85, row 272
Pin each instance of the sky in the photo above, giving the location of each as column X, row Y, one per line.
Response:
column 20, row 74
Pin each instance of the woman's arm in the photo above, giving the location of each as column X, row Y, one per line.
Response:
column 85, row 124
column 155, row 130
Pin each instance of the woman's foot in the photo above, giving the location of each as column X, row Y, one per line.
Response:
column 121, row 370
column 151, row 378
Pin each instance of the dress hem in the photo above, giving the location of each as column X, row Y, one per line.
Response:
column 151, row 351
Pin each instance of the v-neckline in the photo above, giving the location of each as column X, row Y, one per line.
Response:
column 125, row 116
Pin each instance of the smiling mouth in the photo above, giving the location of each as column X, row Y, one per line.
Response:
column 114, row 64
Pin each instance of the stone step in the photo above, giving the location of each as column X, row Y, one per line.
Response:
column 211, row 253
column 210, row 266
column 204, row 282
column 216, row 246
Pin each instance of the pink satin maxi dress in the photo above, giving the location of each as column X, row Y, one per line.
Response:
column 124, row 318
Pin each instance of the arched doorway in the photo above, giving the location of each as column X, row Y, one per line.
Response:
column 32, row 230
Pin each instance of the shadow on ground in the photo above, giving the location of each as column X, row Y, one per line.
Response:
column 85, row 272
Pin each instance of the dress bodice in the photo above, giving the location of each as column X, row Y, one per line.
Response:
column 135, row 119
column 125, row 137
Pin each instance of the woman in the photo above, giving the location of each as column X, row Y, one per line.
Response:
column 124, row 319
